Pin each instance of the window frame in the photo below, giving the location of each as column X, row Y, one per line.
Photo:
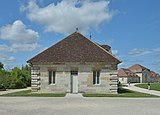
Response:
column 96, row 78
column 52, row 77
column 74, row 72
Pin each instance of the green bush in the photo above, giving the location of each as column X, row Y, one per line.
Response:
column 17, row 78
column 2, row 86
column 19, row 84
column 12, row 86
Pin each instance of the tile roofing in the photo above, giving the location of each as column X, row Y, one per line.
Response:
column 75, row 48
column 154, row 74
column 137, row 68
column 122, row 72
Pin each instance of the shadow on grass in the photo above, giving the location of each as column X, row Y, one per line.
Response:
column 122, row 90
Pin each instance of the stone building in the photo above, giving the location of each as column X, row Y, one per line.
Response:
column 126, row 76
column 75, row 64
column 142, row 72
column 135, row 72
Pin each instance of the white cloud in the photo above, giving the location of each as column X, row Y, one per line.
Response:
column 123, row 64
column 144, row 51
column 139, row 52
column 157, row 62
column 65, row 16
column 115, row 52
column 109, row 41
column 4, row 48
column 20, row 38
column 4, row 58
column 24, row 47
column 156, row 50
column 17, row 32
column 14, row 48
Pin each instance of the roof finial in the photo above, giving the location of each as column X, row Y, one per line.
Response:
column 76, row 29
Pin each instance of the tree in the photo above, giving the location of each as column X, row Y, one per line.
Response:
column 1, row 66
column 17, row 78
column 26, row 70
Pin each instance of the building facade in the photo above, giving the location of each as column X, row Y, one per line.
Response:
column 75, row 64
column 137, row 74
column 126, row 76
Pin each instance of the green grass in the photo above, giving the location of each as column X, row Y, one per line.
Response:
column 154, row 86
column 28, row 93
column 121, row 93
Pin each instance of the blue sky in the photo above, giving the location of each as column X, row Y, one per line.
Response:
column 130, row 27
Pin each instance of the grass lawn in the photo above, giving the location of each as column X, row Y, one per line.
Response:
column 121, row 93
column 28, row 93
column 154, row 86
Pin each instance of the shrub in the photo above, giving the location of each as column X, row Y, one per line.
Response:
column 19, row 84
column 17, row 78
column 2, row 86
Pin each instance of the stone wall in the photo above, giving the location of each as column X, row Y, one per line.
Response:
column 123, row 80
column 108, row 78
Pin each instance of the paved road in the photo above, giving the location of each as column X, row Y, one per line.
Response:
column 78, row 106
column 134, row 88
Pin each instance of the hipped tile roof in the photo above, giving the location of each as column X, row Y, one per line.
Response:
column 75, row 48
column 137, row 68
column 154, row 74
column 122, row 72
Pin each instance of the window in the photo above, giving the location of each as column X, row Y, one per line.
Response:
column 74, row 72
column 52, row 77
column 96, row 78
column 122, row 79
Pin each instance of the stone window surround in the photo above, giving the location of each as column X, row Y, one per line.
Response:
column 52, row 77
column 96, row 78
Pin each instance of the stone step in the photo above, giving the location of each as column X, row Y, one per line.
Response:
column 35, row 78
column 35, row 83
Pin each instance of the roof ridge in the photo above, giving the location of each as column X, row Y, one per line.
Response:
column 52, row 46
column 104, row 50
column 141, row 66
column 121, row 71
column 70, row 41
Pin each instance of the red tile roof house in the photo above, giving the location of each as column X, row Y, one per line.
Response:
column 126, row 76
column 142, row 72
column 75, row 64
column 155, row 77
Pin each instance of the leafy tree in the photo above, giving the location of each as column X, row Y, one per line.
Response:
column 26, row 70
column 17, row 78
column 1, row 69
column 1, row 66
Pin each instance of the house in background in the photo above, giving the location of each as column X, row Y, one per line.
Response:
column 155, row 77
column 126, row 76
column 143, row 74
column 75, row 64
